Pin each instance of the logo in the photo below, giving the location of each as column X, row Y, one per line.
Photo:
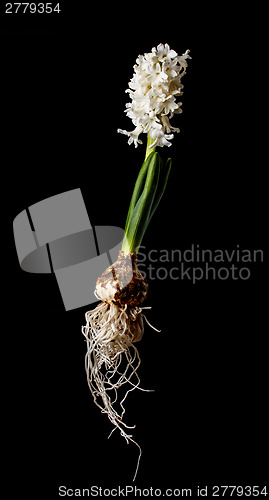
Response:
column 55, row 235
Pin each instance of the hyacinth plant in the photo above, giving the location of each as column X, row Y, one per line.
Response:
column 116, row 324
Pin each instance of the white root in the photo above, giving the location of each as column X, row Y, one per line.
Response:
column 110, row 334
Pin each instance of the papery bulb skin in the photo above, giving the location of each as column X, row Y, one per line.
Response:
column 122, row 283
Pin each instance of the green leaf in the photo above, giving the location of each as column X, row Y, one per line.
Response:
column 140, row 182
column 164, row 174
column 141, row 205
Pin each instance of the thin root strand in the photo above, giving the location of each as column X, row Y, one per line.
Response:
column 110, row 333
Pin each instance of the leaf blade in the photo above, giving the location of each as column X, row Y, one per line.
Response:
column 138, row 221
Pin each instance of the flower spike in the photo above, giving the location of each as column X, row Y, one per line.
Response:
column 153, row 89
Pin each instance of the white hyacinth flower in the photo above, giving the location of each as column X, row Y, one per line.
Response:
column 153, row 89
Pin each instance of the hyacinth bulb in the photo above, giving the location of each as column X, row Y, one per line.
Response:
column 122, row 283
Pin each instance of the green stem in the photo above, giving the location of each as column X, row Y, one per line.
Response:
column 149, row 142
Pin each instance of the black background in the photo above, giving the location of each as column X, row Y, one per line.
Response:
column 62, row 93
